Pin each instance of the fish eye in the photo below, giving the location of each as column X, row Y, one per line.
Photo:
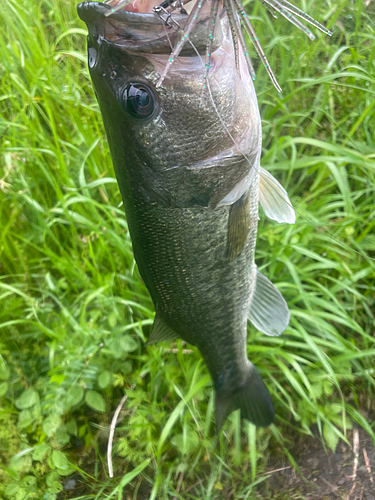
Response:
column 140, row 100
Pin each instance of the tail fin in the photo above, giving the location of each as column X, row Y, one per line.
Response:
column 252, row 398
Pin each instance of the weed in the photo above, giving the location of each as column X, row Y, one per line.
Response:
column 75, row 313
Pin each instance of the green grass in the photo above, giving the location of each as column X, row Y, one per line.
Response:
column 74, row 314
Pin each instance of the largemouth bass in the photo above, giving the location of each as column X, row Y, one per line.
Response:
column 191, row 181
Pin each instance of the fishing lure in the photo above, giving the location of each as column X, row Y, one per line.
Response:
column 237, row 19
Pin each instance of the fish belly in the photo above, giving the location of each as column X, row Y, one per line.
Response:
column 197, row 290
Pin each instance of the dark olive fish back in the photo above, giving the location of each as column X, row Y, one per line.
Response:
column 190, row 178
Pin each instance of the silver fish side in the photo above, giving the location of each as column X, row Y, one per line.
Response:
column 190, row 179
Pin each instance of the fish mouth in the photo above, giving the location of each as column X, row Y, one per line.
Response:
column 136, row 28
column 130, row 14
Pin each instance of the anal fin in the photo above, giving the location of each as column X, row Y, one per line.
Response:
column 274, row 199
column 161, row 331
column 269, row 312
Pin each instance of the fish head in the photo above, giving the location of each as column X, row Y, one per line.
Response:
column 158, row 133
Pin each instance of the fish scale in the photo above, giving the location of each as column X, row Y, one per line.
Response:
column 186, row 294
column 190, row 178
column 171, row 143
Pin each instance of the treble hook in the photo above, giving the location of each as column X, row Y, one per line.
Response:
column 166, row 17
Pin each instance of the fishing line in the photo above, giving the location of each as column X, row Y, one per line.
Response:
column 236, row 5
column 308, row 221
column 193, row 18
column 167, row 35
column 306, row 299
column 285, row 8
column 119, row 6
column 220, row 117
column 319, row 328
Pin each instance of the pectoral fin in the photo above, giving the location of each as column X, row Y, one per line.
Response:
column 161, row 331
column 239, row 222
column 274, row 199
column 239, row 189
column 269, row 312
